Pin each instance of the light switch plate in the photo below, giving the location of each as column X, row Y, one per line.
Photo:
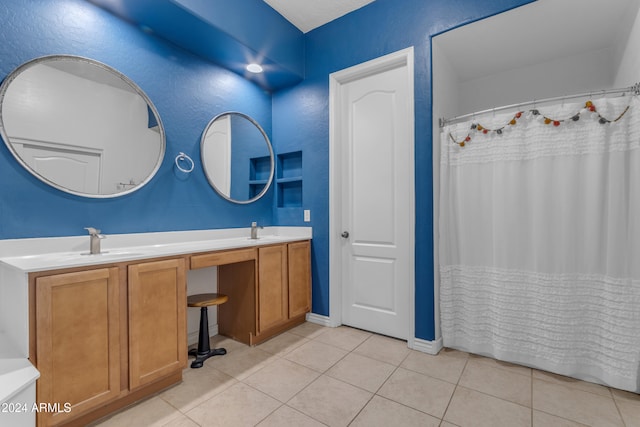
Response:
column 307, row 215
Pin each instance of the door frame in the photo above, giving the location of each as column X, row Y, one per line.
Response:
column 401, row 58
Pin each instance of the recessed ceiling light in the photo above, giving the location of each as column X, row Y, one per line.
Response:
column 254, row 68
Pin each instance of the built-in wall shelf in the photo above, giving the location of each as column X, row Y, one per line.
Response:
column 259, row 171
column 289, row 179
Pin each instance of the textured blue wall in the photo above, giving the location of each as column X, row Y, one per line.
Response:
column 301, row 118
column 285, row 44
column 230, row 33
column 187, row 92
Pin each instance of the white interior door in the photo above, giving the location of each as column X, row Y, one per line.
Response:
column 73, row 168
column 218, row 159
column 376, row 197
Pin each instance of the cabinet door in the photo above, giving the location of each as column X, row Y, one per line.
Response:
column 77, row 342
column 299, row 278
column 272, row 286
column 157, row 320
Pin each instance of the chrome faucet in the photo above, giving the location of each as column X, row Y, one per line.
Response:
column 254, row 230
column 94, row 240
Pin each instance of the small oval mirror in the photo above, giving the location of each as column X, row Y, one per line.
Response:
column 237, row 157
column 81, row 126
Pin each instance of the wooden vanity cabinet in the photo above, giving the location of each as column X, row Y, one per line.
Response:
column 284, row 288
column 284, row 284
column 104, row 337
column 273, row 286
column 157, row 320
column 107, row 337
column 78, row 342
column 269, row 289
column 299, row 278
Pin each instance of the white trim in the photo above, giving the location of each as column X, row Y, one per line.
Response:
column 320, row 320
column 430, row 347
column 435, row 168
column 397, row 59
column 335, row 178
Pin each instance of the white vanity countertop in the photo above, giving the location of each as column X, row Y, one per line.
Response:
column 30, row 255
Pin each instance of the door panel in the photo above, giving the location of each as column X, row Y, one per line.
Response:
column 299, row 265
column 72, row 168
column 372, row 279
column 377, row 202
column 78, row 342
column 272, row 286
column 157, row 320
column 218, row 166
column 372, row 191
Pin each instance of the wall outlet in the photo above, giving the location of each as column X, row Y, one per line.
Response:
column 307, row 215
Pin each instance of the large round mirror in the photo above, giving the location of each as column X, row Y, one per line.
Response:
column 81, row 126
column 237, row 157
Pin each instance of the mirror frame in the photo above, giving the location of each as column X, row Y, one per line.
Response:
column 266, row 140
column 44, row 59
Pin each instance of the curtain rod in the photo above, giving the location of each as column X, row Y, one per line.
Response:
column 635, row 89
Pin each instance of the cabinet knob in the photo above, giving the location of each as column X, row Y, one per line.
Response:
column 345, row 234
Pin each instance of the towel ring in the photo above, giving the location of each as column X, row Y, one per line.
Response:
column 183, row 157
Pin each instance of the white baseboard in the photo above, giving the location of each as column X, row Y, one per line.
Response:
column 418, row 344
column 319, row 319
column 192, row 337
column 430, row 347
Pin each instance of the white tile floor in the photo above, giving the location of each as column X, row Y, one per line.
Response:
column 316, row 376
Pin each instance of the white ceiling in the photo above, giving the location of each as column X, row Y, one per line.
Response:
column 535, row 33
column 310, row 14
column 551, row 28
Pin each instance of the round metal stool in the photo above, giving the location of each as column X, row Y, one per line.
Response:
column 204, row 351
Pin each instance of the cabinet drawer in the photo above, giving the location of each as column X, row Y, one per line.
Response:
column 222, row 257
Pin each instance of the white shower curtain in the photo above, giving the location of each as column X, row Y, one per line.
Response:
column 540, row 240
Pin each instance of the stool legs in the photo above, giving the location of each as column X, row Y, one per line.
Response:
column 204, row 350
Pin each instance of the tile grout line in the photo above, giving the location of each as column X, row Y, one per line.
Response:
column 374, row 394
column 337, row 379
column 466, row 362
column 299, row 391
column 615, row 402
column 531, row 378
column 318, row 377
column 276, row 357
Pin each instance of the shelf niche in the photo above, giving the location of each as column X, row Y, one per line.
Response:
column 259, row 171
column 289, row 179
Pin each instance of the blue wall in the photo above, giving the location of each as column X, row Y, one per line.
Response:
column 301, row 118
column 187, row 92
column 230, row 33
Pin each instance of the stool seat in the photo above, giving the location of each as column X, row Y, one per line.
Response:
column 206, row 300
column 204, row 351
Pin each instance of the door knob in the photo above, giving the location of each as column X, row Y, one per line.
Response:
column 345, row 234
